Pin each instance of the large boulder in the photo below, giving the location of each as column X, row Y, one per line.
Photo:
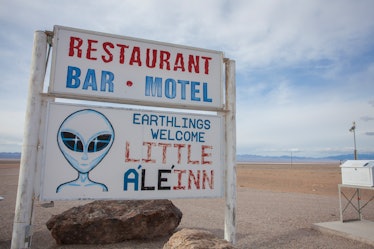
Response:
column 196, row 239
column 102, row 222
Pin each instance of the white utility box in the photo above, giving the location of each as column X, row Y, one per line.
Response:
column 358, row 172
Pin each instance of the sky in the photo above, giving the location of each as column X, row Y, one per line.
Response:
column 304, row 69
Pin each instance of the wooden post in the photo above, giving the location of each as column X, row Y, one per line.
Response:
column 230, row 137
column 21, row 237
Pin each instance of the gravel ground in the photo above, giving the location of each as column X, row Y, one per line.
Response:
column 265, row 219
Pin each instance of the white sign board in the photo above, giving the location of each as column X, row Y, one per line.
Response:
column 128, row 70
column 112, row 153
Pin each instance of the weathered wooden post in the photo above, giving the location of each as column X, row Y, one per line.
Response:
column 230, row 136
column 21, row 237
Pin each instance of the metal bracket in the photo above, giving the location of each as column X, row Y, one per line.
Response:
column 28, row 233
column 50, row 35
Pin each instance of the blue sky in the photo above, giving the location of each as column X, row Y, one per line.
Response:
column 305, row 69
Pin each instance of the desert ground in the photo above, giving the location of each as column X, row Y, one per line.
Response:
column 277, row 205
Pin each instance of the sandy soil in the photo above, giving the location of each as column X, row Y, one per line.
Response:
column 321, row 179
column 277, row 205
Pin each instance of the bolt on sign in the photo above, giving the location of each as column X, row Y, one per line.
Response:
column 129, row 70
column 112, row 153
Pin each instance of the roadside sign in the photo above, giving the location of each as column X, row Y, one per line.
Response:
column 128, row 70
column 112, row 153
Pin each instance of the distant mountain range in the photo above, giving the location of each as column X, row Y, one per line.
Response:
column 256, row 158
column 10, row 155
column 337, row 158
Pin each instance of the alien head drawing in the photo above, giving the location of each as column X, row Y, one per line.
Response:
column 84, row 139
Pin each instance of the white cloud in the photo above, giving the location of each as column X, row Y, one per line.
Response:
column 367, row 118
column 304, row 69
column 315, row 126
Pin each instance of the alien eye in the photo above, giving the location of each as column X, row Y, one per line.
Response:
column 99, row 143
column 72, row 141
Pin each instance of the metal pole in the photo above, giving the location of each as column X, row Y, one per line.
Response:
column 359, row 204
column 340, row 202
column 354, row 140
column 230, row 136
column 353, row 129
column 21, row 237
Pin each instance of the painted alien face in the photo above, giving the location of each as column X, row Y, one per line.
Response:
column 84, row 138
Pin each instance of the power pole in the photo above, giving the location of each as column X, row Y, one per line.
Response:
column 353, row 129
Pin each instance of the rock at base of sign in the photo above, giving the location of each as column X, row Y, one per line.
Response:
column 196, row 239
column 104, row 222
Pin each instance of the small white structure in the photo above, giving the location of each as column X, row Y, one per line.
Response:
column 358, row 173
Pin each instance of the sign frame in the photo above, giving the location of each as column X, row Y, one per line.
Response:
column 192, row 81
column 32, row 148
column 190, row 169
